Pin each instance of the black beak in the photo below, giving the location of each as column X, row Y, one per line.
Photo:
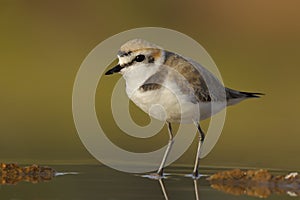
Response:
column 114, row 70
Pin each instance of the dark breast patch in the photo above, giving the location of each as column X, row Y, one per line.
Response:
column 150, row 86
column 155, row 81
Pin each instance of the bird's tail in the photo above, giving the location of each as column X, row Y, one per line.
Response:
column 235, row 96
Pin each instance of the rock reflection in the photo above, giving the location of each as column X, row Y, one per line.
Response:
column 11, row 174
column 257, row 183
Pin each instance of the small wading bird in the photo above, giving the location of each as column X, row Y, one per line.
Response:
column 185, row 89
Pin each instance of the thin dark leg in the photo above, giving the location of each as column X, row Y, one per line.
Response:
column 162, row 164
column 200, row 142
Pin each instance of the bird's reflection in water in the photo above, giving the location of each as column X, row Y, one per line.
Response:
column 164, row 191
column 196, row 189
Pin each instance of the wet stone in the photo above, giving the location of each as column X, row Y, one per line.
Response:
column 259, row 183
column 11, row 174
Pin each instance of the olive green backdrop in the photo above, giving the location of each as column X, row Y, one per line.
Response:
column 254, row 43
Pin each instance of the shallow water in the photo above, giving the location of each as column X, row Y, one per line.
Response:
column 101, row 182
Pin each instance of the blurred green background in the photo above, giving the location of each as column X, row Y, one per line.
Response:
column 255, row 45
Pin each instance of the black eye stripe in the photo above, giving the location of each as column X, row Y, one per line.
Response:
column 138, row 58
column 150, row 59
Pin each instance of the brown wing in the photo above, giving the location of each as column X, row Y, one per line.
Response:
column 191, row 75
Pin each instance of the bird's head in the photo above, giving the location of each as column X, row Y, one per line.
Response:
column 136, row 53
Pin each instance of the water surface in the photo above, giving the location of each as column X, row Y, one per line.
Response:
column 101, row 182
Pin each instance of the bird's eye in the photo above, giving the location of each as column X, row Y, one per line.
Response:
column 139, row 58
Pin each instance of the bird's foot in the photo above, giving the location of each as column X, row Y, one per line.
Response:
column 196, row 175
column 156, row 176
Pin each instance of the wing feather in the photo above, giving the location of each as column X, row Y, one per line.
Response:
column 206, row 87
